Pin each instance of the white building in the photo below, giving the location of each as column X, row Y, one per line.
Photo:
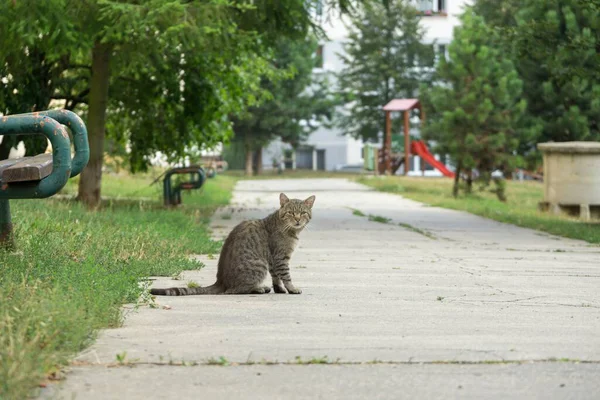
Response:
column 329, row 148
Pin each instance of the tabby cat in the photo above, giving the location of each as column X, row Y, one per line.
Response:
column 255, row 248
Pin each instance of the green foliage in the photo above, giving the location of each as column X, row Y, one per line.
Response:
column 298, row 99
column 179, row 69
column 74, row 269
column 476, row 114
column 557, row 45
column 498, row 13
column 554, row 46
column 385, row 59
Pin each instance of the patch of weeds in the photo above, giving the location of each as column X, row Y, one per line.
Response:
column 192, row 284
column 417, row 230
column 210, row 256
column 315, row 360
column 371, row 217
column 379, row 218
column 176, row 276
column 121, row 358
column 145, row 297
column 222, row 361
column 301, row 267
column 358, row 213
column 226, row 216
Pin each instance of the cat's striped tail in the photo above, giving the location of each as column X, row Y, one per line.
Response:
column 183, row 291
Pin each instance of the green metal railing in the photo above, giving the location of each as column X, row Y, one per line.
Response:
column 49, row 124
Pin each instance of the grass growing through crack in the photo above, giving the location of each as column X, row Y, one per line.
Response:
column 417, row 230
column 222, row 361
column 358, row 213
column 521, row 208
column 315, row 360
column 73, row 269
column 379, row 218
column 371, row 217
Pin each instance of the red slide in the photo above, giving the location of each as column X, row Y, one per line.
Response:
column 420, row 148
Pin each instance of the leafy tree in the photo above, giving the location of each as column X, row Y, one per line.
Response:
column 498, row 13
column 121, row 63
column 32, row 63
column 555, row 47
column 385, row 59
column 476, row 113
column 298, row 102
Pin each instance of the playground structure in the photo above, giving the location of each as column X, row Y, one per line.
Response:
column 388, row 162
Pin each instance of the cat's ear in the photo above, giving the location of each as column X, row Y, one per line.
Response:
column 283, row 199
column 310, row 201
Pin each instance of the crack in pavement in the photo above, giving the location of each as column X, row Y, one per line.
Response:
column 329, row 362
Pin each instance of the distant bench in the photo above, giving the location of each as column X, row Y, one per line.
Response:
column 45, row 174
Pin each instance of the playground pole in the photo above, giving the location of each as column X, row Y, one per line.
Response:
column 387, row 147
column 422, row 117
column 406, row 143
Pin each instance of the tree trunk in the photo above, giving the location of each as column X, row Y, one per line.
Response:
column 91, row 176
column 456, row 179
column 249, row 154
column 469, row 188
column 258, row 168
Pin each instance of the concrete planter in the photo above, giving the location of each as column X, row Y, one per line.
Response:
column 572, row 178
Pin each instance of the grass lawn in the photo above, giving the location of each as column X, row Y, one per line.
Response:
column 520, row 209
column 73, row 269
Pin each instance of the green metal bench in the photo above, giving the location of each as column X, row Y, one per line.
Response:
column 171, row 194
column 43, row 175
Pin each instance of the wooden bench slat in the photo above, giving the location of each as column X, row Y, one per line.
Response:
column 28, row 169
column 7, row 163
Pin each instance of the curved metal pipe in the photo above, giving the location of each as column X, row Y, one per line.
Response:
column 61, row 155
column 80, row 136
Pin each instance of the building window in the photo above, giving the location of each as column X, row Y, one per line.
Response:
column 319, row 8
column 431, row 7
column 440, row 52
column 319, row 54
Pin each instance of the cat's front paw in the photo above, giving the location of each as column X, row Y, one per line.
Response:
column 279, row 289
column 294, row 290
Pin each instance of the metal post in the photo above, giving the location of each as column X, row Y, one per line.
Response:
column 387, row 144
column 406, row 142
column 422, row 117
column 6, row 227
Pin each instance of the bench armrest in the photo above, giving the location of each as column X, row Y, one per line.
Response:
column 80, row 136
column 61, row 155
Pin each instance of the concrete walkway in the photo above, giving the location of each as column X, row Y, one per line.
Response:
column 433, row 304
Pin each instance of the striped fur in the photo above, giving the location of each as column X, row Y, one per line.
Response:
column 255, row 249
